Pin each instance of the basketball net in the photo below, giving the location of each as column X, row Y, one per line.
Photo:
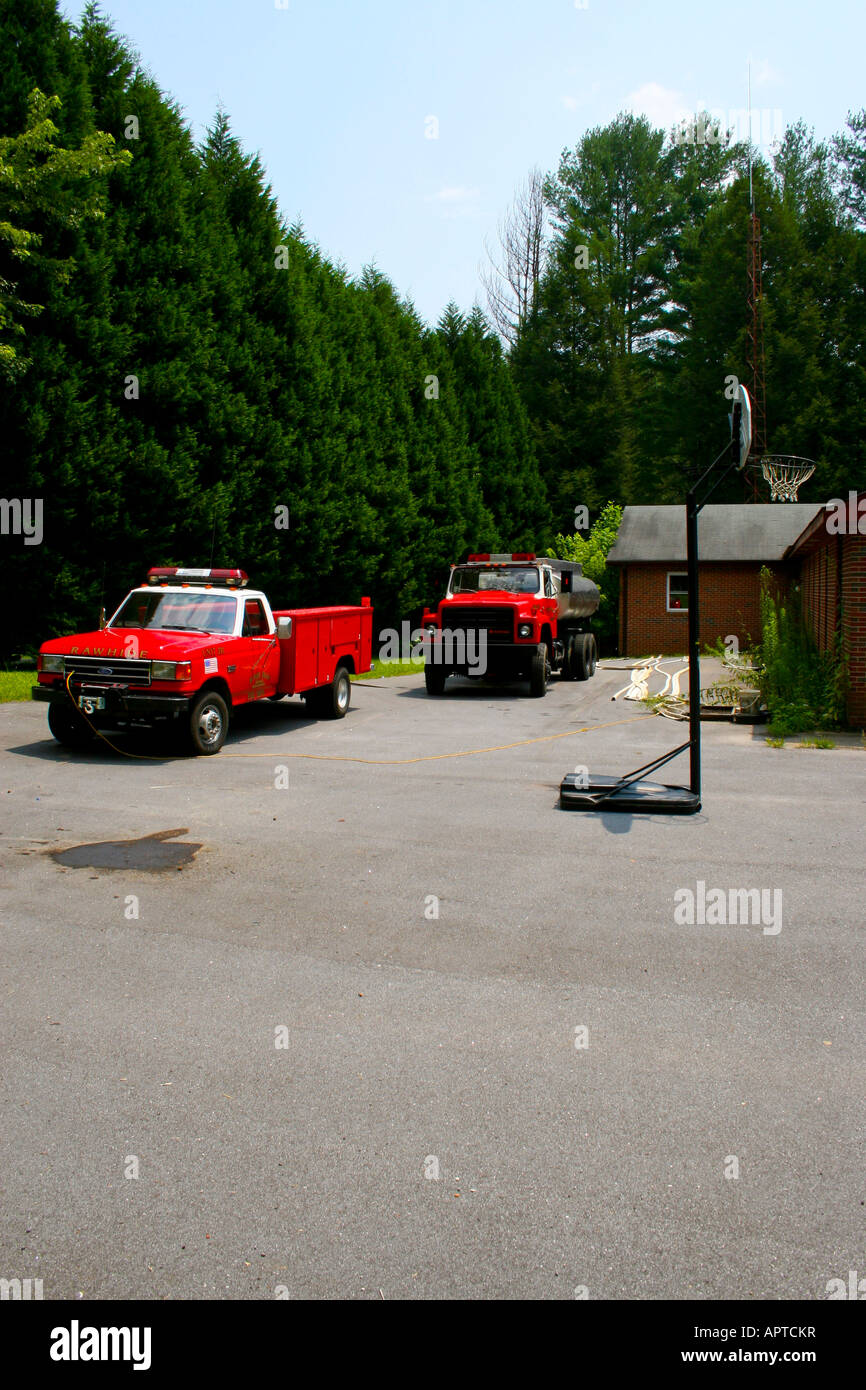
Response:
column 786, row 476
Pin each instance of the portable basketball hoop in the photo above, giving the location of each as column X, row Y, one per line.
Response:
column 631, row 793
column 786, row 474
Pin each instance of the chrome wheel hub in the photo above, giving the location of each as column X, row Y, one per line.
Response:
column 210, row 724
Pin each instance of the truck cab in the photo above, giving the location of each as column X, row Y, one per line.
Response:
column 517, row 616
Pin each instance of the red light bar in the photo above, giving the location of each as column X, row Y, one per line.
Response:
column 162, row 574
column 500, row 559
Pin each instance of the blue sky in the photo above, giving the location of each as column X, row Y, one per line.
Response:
column 336, row 97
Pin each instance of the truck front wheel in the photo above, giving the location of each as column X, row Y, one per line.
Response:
column 434, row 679
column 539, row 671
column 67, row 725
column 209, row 723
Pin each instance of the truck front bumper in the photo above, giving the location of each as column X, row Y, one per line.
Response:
column 123, row 704
column 500, row 658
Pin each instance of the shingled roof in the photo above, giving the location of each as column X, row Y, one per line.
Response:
column 741, row 531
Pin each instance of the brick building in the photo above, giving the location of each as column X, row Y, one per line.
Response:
column 832, row 570
column 734, row 542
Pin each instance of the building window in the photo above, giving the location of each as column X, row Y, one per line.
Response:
column 678, row 593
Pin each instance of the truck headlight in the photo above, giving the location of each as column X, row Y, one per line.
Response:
column 170, row 670
column 525, row 630
column 54, row 664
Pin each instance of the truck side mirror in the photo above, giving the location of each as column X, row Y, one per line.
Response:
column 284, row 628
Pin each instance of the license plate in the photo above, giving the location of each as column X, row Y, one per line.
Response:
column 91, row 703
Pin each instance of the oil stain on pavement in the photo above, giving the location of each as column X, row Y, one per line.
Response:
column 151, row 852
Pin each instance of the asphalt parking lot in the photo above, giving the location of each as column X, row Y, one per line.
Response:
column 402, row 1028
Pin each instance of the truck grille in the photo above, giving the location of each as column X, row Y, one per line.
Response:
column 498, row 623
column 105, row 669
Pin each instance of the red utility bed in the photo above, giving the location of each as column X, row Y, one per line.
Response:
column 322, row 637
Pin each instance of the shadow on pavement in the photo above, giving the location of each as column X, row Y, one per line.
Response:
column 248, row 722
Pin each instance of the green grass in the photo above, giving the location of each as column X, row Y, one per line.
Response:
column 775, row 743
column 817, row 743
column 16, row 685
column 391, row 668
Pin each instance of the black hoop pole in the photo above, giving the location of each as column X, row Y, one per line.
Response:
column 693, row 509
column 694, row 641
column 631, row 793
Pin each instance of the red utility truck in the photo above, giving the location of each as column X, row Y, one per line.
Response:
column 188, row 648
column 515, row 616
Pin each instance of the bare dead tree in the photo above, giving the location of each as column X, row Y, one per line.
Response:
column 511, row 278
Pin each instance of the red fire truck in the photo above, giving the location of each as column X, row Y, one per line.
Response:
column 515, row 616
column 190, row 646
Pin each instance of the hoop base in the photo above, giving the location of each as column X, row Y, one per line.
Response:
column 638, row 798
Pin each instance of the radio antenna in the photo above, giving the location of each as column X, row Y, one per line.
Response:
column 213, row 537
column 751, row 195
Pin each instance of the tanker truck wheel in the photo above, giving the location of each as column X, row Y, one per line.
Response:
column 583, row 651
column 434, row 679
column 569, row 665
column 593, row 654
column 539, row 671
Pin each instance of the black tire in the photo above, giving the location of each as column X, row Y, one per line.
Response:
column 539, row 671
column 568, row 666
column 593, row 654
column 208, row 724
column 331, row 701
column 434, row 679
column 67, row 725
column 582, row 650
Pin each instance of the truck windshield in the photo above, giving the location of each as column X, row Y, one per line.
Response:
column 179, row 612
column 473, row 579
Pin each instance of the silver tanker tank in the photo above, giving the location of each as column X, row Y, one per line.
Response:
column 577, row 596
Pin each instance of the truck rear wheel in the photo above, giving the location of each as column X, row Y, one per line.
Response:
column 331, row 701
column 434, row 679
column 67, row 725
column 208, row 723
column 593, row 655
column 539, row 671
column 569, row 665
column 581, row 656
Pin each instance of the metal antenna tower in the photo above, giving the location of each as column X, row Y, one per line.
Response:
column 755, row 348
